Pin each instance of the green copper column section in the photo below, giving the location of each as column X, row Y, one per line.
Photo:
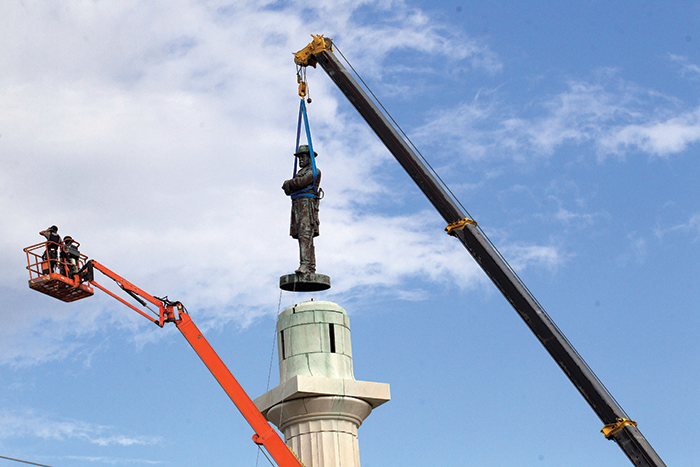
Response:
column 318, row 404
column 313, row 339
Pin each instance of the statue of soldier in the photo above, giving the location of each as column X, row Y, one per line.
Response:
column 304, row 191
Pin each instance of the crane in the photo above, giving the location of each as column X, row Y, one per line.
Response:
column 69, row 288
column 618, row 426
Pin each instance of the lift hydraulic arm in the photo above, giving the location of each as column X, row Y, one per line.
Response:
column 175, row 312
column 618, row 426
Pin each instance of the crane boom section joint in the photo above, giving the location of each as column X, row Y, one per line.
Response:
column 458, row 225
column 611, row 429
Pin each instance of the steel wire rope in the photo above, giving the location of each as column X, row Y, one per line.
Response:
column 294, row 284
column 260, row 449
column 284, row 344
column 272, row 357
column 24, row 462
column 274, row 341
column 302, row 115
column 398, row 127
column 456, row 200
column 551, row 321
column 337, row 404
column 338, row 400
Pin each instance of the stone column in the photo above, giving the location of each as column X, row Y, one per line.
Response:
column 318, row 404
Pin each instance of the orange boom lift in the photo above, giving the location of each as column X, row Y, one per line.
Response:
column 81, row 285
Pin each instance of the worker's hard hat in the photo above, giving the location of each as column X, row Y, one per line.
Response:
column 304, row 149
column 53, row 228
column 67, row 238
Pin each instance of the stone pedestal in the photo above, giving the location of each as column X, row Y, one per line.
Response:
column 319, row 405
column 305, row 282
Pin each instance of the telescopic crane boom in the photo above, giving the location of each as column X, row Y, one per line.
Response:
column 55, row 285
column 618, row 426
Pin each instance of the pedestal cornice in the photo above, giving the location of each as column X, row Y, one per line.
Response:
column 298, row 387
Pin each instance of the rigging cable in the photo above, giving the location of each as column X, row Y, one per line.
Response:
column 302, row 193
column 269, row 371
column 481, row 231
column 398, row 127
column 24, row 462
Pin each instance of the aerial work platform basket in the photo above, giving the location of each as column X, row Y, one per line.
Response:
column 51, row 276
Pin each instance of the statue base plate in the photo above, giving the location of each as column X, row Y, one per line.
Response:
column 305, row 282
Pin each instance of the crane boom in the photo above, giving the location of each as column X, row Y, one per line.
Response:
column 618, row 426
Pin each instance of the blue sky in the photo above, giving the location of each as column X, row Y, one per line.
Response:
column 158, row 135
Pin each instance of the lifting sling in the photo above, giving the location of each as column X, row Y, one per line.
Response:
column 304, row 192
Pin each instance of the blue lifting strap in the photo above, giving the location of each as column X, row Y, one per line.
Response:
column 296, row 146
column 304, row 193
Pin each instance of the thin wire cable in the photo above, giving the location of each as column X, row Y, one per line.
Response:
column 260, row 449
column 272, row 357
column 24, row 462
column 522, row 284
column 398, row 127
column 274, row 341
column 456, row 200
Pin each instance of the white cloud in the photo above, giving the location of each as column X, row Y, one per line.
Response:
column 636, row 251
column 113, row 460
column 27, row 423
column 158, row 135
column 576, row 116
column 423, row 250
column 567, row 217
column 656, row 137
column 520, row 256
column 687, row 69
column 689, row 227
column 694, row 223
column 463, row 129
column 396, row 26
column 611, row 116
column 486, row 126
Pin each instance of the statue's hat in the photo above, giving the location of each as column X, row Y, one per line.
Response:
column 304, row 149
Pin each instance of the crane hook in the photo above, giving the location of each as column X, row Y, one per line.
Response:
column 303, row 87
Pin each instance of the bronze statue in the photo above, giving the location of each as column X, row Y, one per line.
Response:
column 305, row 193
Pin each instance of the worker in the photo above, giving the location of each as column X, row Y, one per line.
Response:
column 69, row 256
column 50, row 256
column 304, row 225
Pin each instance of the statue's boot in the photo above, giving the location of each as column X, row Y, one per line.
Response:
column 307, row 255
